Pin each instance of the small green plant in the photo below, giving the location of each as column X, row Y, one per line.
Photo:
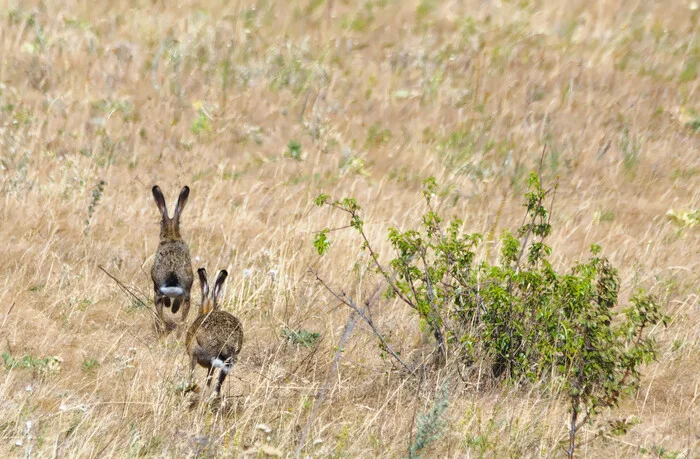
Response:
column 519, row 316
column 30, row 362
column 90, row 364
column 185, row 387
column 424, row 8
column 605, row 215
column 362, row 19
column 690, row 71
column 109, row 106
column 377, row 136
column 690, row 118
column 622, row 426
column 294, row 150
column 201, row 124
column 96, row 196
column 684, row 218
column 630, row 147
column 457, row 149
column 300, row 337
column 351, row 164
column 430, row 425
column 287, row 68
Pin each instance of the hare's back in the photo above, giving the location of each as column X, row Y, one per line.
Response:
column 173, row 257
column 221, row 330
column 170, row 251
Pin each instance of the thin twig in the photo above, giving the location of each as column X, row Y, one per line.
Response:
column 7, row 314
column 330, row 230
column 345, row 299
column 124, row 287
column 433, row 311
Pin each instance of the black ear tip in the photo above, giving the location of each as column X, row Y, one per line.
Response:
column 185, row 191
column 155, row 190
column 223, row 274
column 202, row 272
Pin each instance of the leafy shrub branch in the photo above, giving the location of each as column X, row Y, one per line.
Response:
column 528, row 321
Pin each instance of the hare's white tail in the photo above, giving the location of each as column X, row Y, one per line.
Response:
column 172, row 292
column 172, row 287
column 226, row 366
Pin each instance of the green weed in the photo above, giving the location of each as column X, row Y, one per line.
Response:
column 300, row 337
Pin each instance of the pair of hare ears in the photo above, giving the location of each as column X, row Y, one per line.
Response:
column 181, row 201
column 217, row 284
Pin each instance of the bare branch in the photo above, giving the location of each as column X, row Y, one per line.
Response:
column 126, row 289
column 346, row 300
column 7, row 314
column 433, row 310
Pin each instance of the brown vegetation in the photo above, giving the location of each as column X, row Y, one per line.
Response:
column 259, row 107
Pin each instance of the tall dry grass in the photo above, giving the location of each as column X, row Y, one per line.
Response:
column 379, row 95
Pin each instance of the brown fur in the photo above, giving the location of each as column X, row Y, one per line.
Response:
column 172, row 265
column 214, row 334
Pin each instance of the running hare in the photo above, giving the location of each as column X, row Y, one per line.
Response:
column 172, row 268
column 215, row 338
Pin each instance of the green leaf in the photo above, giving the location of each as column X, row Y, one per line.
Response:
column 321, row 241
column 322, row 199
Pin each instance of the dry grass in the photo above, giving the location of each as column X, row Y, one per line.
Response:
column 380, row 95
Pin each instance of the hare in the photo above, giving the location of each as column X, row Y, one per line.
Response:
column 215, row 338
column 172, row 268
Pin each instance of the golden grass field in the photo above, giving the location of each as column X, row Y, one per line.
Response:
column 259, row 107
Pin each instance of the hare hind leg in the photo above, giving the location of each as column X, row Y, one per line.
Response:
column 176, row 305
column 185, row 308
column 225, row 370
column 210, row 374
column 160, row 319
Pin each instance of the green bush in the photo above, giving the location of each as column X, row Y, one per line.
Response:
column 527, row 320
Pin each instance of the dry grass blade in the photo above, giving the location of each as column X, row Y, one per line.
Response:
column 320, row 397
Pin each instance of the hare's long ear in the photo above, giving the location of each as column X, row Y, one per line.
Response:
column 217, row 286
column 160, row 202
column 181, row 201
column 203, row 281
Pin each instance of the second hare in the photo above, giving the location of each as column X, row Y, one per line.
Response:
column 172, row 268
column 215, row 338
